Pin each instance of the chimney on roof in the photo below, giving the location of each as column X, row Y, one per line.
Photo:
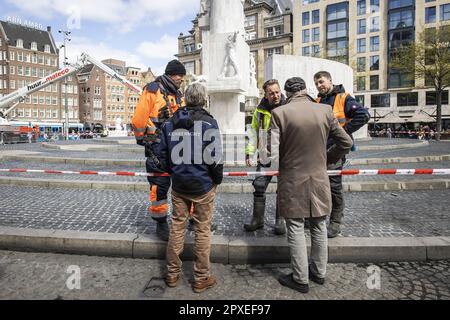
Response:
column 49, row 29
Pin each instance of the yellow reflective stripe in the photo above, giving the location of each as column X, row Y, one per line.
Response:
column 139, row 129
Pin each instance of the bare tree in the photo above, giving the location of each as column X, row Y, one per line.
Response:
column 427, row 59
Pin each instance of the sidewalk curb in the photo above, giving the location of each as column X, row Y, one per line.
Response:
column 393, row 146
column 225, row 250
column 352, row 186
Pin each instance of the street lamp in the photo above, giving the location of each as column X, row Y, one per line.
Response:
column 66, row 108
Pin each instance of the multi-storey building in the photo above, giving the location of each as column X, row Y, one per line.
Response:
column 363, row 34
column 132, row 97
column 92, row 96
column 116, row 95
column 268, row 25
column 26, row 55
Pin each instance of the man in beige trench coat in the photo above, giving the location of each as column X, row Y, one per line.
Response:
column 300, row 129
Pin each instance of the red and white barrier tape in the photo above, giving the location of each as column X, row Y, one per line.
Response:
column 355, row 172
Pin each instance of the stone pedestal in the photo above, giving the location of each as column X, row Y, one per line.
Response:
column 226, row 109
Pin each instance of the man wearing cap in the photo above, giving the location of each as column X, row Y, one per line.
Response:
column 160, row 99
column 300, row 130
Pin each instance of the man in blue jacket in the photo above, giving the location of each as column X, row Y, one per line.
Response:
column 191, row 151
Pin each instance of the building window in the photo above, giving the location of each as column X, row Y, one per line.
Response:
column 337, row 11
column 19, row 43
column 34, row 46
column 394, row 4
column 361, row 26
column 374, row 24
column 374, row 6
column 380, row 100
column 305, row 18
column 360, row 99
column 360, row 83
column 374, row 63
column 316, row 34
column 361, row 7
column 401, row 19
column 306, row 36
column 407, row 99
column 315, row 50
column 445, row 12
column 11, row 55
column 47, row 48
column 430, row 15
column 274, row 31
column 361, row 64
column 374, row 43
column 337, row 30
column 316, row 16
column 271, row 51
column 374, row 82
column 361, row 45
column 430, row 98
column 306, row 51
column 337, row 48
column 250, row 21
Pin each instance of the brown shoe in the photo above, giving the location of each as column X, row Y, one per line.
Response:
column 202, row 285
column 171, row 281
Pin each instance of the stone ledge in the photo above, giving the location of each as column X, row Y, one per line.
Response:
column 225, row 250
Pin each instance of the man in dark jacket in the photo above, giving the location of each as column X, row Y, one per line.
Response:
column 191, row 151
column 351, row 116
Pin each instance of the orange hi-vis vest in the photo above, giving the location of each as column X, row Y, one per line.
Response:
column 339, row 108
column 147, row 118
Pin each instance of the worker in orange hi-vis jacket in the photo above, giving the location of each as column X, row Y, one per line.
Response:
column 160, row 99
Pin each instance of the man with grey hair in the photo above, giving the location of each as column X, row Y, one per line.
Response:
column 190, row 151
column 300, row 129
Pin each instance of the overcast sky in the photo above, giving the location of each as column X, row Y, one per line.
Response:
column 142, row 32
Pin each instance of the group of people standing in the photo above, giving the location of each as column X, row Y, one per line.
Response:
column 311, row 134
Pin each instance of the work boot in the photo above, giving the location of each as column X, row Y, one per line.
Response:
column 162, row 228
column 334, row 229
column 259, row 206
column 280, row 225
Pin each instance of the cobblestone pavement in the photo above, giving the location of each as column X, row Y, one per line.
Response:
column 375, row 214
column 434, row 148
column 54, row 276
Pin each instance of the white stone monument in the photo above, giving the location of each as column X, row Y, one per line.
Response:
column 283, row 67
column 226, row 62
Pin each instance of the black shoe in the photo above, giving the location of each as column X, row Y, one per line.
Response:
column 315, row 278
column 288, row 281
column 334, row 229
